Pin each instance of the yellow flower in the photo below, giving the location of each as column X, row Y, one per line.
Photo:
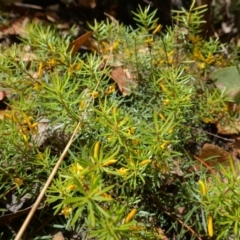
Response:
column 76, row 168
column 115, row 45
column 210, row 59
column 111, row 89
column 130, row 215
column 163, row 145
column 66, row 211
column 105, row 195
column 166, row 102
column 202, row 65
column 105, row 47
column 149, row 40
column 71, row 187
column 94, row 94
column 136, row 228
column 195, row 39
column 74, row 67
column 170, row 131
column 208, row 120
column 52, row 62
column 109, row 47
column 127, row 51
column 37, row 86
column 110, row 139
column 137, row 151
column 130, row 131
column 31, row 126
column 135, row 142
column 18, row 182
column 225, row 108
column 122, row 171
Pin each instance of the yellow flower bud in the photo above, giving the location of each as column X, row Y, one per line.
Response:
column 203, row 187
column 210, row 226
column 109, row 162
column 135, row 142
column 115, row 110
column 130, row 215
column 25, row 138
column 157, row 29
column 170, row 131
column 51, row 47
column 162, row 117
column 40, row 69
column 81, row 106
column 71, row 187
column 105, row 195
column 163, row 87
column 144, row 162
column 166, row 102
column 7, row 115
column 96, row 150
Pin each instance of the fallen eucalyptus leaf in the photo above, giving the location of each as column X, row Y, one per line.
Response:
column 228, row 79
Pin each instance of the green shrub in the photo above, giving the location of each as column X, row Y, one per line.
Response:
column 127, row 174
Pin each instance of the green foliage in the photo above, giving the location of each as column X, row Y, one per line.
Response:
column 222, row 202
column 127, row 174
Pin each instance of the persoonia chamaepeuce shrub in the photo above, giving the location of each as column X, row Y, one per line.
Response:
column 127, row 174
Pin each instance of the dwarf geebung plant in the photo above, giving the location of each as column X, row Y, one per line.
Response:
column 126, row 174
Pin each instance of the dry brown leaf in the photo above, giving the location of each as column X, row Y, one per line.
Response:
column 236, row 144
column 3, row 106
column 3, row 95
column 58, row 236
column 8, row 218
column 28, row 56
column 16, row 27
column 79, row 42
column 213, row 155
column 123, row 79
column 230, row 128
column 88, row 3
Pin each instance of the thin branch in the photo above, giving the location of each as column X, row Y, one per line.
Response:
column 205, row 165
column 185, row 225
